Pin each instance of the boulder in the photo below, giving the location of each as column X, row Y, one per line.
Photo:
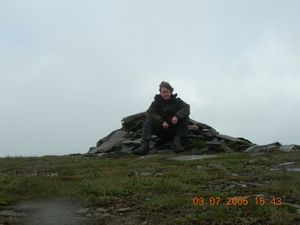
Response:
column 113, row 140
column 288, row 148
column 276, row 146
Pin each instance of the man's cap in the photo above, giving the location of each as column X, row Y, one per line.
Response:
column 166, row 85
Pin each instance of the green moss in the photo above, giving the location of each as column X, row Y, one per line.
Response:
column 162, row 189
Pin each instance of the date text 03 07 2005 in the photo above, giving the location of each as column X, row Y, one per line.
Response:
column 236, row 201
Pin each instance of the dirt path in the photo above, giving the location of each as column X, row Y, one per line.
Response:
column 61, row 211
column 48, row 212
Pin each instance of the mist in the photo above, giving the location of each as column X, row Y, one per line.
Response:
column 70, row 72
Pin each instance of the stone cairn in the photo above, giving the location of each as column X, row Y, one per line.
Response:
column 201, row 139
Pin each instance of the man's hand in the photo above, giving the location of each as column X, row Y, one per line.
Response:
column 174, row 120
column 165, row 125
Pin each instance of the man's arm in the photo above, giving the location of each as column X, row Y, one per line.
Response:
column 184, row 110
column 152, row 113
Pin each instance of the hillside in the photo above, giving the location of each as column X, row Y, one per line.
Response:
column 227, row 188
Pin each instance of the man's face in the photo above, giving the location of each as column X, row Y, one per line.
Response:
column 165, row 93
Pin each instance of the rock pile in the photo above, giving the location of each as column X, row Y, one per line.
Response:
column 201, row 139
column 272, row 147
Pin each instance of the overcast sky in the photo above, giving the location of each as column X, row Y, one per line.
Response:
column 71, row 70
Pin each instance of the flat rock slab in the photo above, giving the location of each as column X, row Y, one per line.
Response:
column 293, row 169
column 11, row 213
column 286, row 163
column 192, row 157
column 288, row 148
column 150, row 156
column 52, row 212
column 113, row 139
column 296, row 206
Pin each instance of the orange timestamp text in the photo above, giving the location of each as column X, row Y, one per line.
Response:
column 236, row 201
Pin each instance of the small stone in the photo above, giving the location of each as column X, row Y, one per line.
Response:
column 105, row 215
column 256, row 184
column 233, row 185
column 145, row 174
column 192, row 157
column 101, row 210
column 274, row 169
column 158, row 174
column 230, row 187
column 147, row 156
column 53, row 174
column 83, row 211
column 217, row 187
column 134, row 142
column 258, row 160
column 286, row 163
column 293, row 169
column 243, row 185
column 193, row 127
column 234, row 174
column 252, row 161
column 214, row 142
column 125, row 209
column 216, row 166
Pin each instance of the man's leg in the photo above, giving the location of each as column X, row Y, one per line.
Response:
column 181, row 130
column 164, row 135
column 149, row 127
column 147, row 130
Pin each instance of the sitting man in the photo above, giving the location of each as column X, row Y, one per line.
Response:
column 167, row 117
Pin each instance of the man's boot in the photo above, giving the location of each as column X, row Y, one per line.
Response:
column 176, row 144
column 143, row 149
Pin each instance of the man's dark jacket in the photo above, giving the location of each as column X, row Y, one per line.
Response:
column 163, row 110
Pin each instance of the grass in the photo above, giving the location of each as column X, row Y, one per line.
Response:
column 161, row 189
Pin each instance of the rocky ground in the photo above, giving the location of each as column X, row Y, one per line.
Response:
column 152, row 189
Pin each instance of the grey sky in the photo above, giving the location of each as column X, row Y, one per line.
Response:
column 71, row 70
